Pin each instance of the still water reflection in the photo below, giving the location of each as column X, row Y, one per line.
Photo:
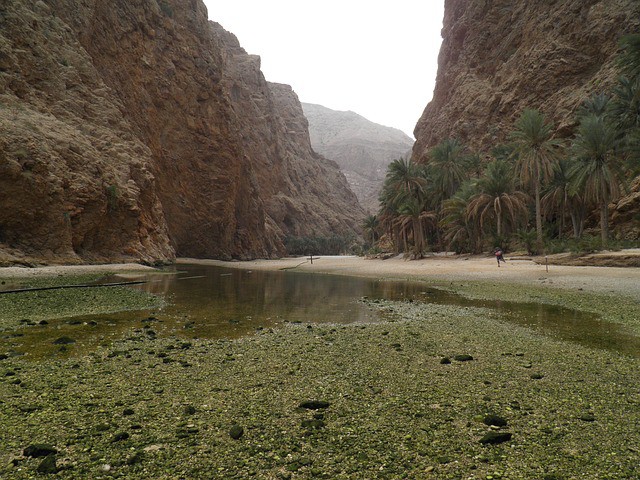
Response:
column 214, row 302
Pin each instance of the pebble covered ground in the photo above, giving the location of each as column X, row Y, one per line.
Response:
column 436, row 391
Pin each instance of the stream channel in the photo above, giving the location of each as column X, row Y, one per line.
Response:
column 220, row 303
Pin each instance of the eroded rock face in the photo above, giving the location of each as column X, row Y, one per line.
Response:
column 76, row 183
column 363, row 149
column 499, row 57
column 138, row 130
column 303, row 193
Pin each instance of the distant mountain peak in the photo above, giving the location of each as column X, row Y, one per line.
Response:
column 363, row 149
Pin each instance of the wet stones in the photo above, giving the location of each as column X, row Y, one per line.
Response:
column 64, row 341
column 314, row 404
column 236, row 431
column 495, row 438
column 37, row 450
column 48, row 465
column 587, row 417
column 463, row 358
column 494, row 420
column 118, row 437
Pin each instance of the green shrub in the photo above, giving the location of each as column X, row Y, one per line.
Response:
column 112, row 197
column 166, row 8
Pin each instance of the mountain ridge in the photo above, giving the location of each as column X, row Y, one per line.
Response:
column 363, row 149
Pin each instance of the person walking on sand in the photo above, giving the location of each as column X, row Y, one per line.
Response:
column 498, row 253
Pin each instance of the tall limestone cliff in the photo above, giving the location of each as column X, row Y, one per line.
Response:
column 363, row 149
column 139, row 129
column 499, row 57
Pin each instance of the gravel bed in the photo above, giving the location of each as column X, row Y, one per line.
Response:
column 439, row 392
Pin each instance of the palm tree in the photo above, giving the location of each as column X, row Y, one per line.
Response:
column 498, row 199
column 448, row 165
column 403, row 177
column 460, row 233
column 414, row 220
column 405, row 182
column 629, row 58
column 557, row 193
column 626, row 113
column 597, row 170
column 597, row 104
column 535, row 152
column 370, row 226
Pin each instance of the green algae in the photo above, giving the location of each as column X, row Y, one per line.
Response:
column 390, row 413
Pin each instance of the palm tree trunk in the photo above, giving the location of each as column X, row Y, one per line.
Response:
column 604, row 223
column 538, row 215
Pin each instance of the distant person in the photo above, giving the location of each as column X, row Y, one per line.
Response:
column 498, row 253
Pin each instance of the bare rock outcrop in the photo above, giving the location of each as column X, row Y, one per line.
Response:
column 363, row 149
column 135, row 130
column 76, row 183
column 499, row 57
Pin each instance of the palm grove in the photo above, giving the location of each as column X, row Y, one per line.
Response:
column 535, row 190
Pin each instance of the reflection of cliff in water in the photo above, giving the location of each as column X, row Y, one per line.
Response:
column 237, row 301
column 212, row 302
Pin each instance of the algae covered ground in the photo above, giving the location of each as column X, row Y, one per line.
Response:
column 435, row 391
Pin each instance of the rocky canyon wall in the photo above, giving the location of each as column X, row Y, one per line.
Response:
column 139, row 129
column 499, row 57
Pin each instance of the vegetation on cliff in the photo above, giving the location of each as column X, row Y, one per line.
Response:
column 451, row 202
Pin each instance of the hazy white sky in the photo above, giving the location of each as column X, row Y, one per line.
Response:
column 376, row 58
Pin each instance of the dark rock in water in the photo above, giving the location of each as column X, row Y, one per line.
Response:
column 463, row 358
column 134, row 458
column 3, row 356
column 537, row 376
column 118, row 437
column 495, row 438
column 495, row 420
column 39, row 450
column 189, row 410
column 64, row 341
column 102, row 427
column 48, row 465
column 314, row 424
column 587, row 417
column 128, row 411
column 236, row 431
column 314, row 404
column 43, row 322
column 445, row 361
column 187, row 431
